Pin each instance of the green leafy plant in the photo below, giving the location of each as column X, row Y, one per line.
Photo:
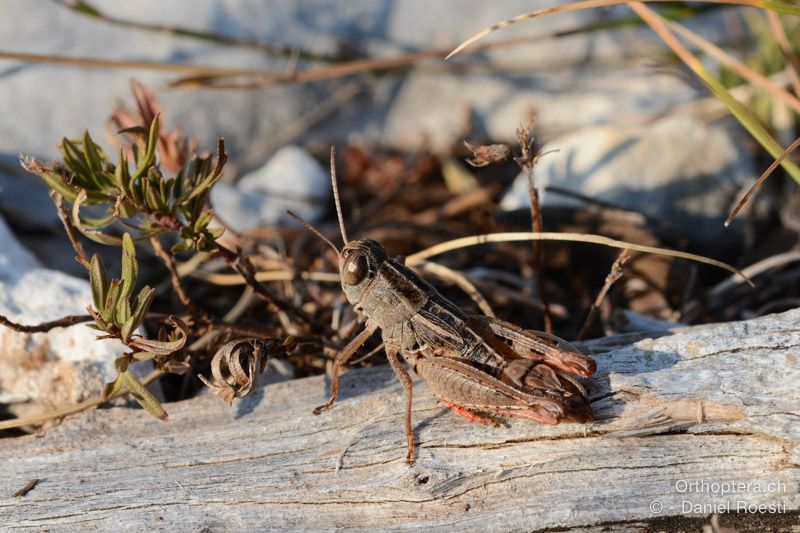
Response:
column 118, row 316
column 134, row 192
column 131, row 200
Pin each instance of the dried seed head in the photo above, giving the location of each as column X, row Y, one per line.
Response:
column 237, row 365
column 487, row 154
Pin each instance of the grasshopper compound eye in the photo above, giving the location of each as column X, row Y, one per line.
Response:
column 355, row 269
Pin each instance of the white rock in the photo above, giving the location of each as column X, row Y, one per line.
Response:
column 291, row 179
column 64, row 365
column 553, row 76
column 678, row 169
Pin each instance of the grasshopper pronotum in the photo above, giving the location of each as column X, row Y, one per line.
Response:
column 478, row 366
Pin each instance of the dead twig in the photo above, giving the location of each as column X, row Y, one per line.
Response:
column 275, row 303
column 63, row 214
column 64, row 322
column 26, row 488
column 611, row 278
column 177, row 284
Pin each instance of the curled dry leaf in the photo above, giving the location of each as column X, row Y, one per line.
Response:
column 158, row 347
column 487, row 154
column 237, row 365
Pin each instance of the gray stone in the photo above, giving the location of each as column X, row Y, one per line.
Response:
column 501, row 86
column 678, row 169
column 291, row 179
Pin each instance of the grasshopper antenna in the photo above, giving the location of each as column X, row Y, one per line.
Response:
column 335, row 185
column 316, row 232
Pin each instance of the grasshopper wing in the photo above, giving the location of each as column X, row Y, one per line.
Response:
column 537, row 346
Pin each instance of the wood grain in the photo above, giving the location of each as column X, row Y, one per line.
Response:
column 714, row 404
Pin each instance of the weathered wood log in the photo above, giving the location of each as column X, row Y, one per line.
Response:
column 682, row 419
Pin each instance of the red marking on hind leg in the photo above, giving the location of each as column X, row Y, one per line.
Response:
column 471, row 416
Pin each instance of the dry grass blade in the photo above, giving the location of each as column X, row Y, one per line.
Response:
column 659, row 25
column 780, row 36
column 737, row 66
column 462, row 282
column 196, row 70
column 85, row 8
column 475, row 240
column 72, row 409
column 756, row 269
column 362, row 66
column 778, row 7
column 266, row 275
column 753, row 188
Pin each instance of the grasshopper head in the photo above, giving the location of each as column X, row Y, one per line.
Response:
column 359, row 263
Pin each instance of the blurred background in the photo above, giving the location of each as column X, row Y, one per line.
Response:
column 644, row 147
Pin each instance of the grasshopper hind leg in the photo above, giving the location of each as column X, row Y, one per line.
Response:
column 472, row 416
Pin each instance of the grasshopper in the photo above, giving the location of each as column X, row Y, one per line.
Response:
column 480, row 367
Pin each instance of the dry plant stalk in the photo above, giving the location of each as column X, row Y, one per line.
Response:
column 63, row 322
column 531, row 152
column 611, row 278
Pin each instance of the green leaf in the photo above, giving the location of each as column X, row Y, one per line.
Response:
column 98, row 279
column 143, row 356
column 122, row 313
column 130, row 266
column 153, row 199
column 97, row 223
column 91, row 153
column 182, row 246
column 149, row 157
column 114, row 291
column 112, row 389
column 143, row 396
column 203, row 220
column 127, row 329
column 100, row 325
column 97, row 236
column 75, row 161
column 169, row 190
column 121, row 173
column 127, row 209
column 215, row 174
column 56, row 182
column 121, row 364
column 143, row 302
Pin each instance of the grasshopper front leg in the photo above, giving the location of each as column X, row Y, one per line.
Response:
column 341, row 358
column 392, row 353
